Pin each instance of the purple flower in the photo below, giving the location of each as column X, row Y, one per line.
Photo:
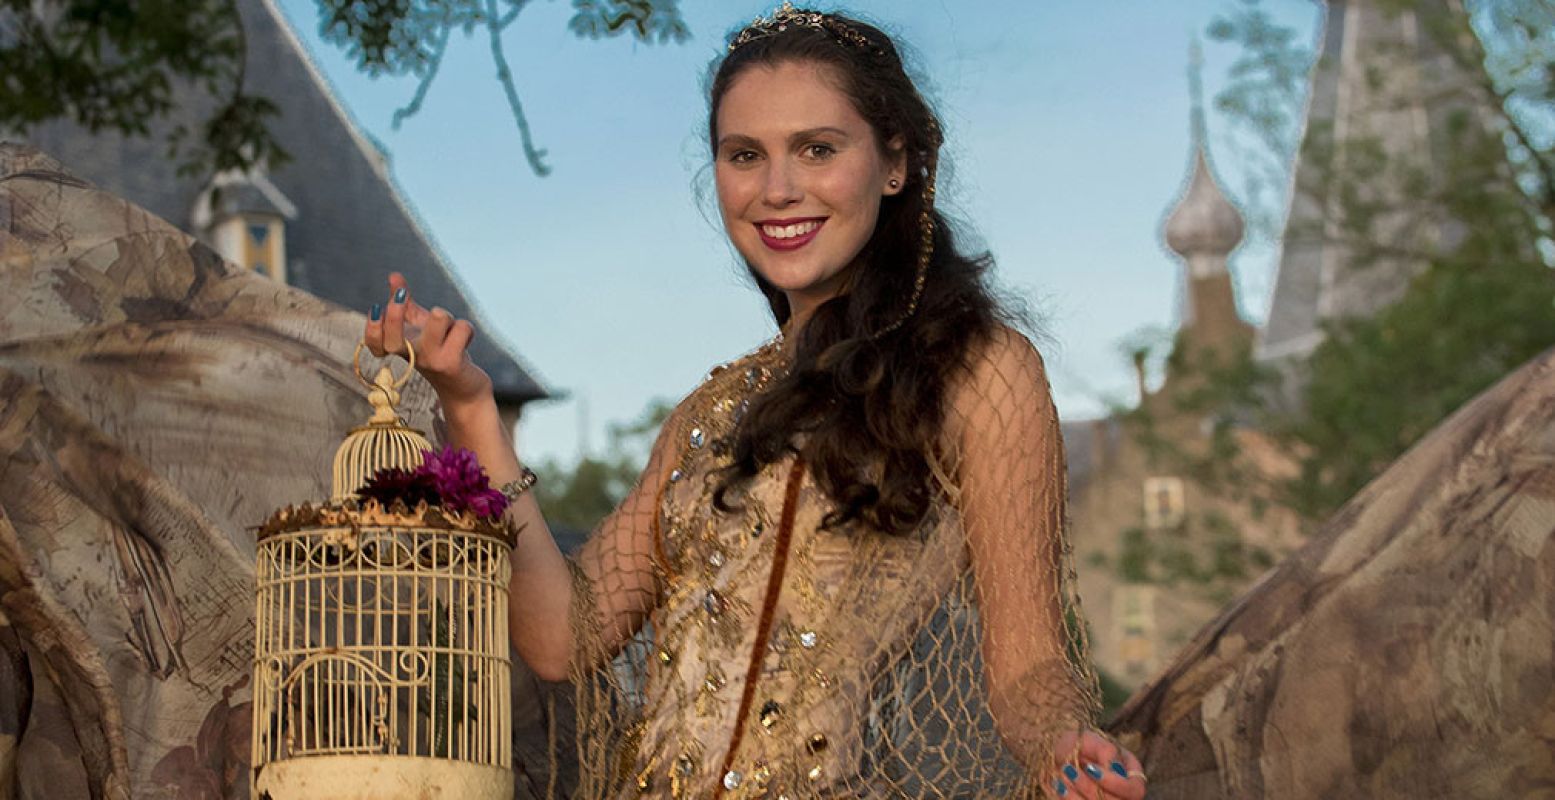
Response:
column 461, row 482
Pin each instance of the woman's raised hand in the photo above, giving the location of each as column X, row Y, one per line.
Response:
column 441, row 342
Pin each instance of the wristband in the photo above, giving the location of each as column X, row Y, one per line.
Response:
column 526, row 479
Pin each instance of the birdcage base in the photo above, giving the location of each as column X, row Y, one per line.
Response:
column 372, row 777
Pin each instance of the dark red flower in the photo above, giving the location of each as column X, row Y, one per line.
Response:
column 394, row 483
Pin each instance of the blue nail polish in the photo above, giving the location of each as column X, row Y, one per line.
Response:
column 399, row 295
column 376, row 312
column 1070, row 771
column 1093, row 771
column 1062, row 789
column 1117, row 766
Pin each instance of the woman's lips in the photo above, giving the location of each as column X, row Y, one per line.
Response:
column 792, row 242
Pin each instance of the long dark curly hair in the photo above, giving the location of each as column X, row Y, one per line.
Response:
column 870, row 397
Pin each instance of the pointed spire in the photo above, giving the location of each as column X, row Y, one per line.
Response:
column 1196, row 91
column 1204, row 222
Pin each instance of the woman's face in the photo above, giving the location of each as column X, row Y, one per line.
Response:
column 800, row 176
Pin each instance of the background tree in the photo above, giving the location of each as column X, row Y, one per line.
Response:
column 116, row 64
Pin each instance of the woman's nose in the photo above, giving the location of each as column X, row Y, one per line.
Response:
column 781, row 190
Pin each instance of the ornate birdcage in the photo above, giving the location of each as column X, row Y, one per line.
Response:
column 381, row 660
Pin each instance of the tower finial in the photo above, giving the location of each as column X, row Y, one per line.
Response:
column 1196, row 90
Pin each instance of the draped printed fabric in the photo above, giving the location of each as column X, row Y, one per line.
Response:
column 752, row 653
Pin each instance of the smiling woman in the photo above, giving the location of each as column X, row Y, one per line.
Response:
column 844, row 571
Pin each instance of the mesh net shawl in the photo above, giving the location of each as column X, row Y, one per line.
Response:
column 752, row 653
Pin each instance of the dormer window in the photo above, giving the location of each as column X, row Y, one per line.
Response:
column 243, row 216
column 263, row 246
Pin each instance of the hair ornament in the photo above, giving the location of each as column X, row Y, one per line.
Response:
column 787, row 16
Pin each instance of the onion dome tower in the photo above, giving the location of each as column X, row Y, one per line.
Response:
column 1203, row 229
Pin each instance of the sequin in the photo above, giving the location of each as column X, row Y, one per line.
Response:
column 676, row 475
column 685, row 766
column 807, row 639
column 713, row 681
column 713, row 603
column 761, row 774
column 817, row 743
column 697, row 437
column 665, row 657
column 716, row 558
column 815, row 772
column 757, row 529
column 771, row 714
column 732, row 779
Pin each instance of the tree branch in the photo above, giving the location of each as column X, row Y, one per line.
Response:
column 505, row 77
column 433, row 62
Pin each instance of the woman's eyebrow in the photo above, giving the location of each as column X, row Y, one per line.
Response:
column 793, row 138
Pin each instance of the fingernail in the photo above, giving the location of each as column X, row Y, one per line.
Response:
column 1117, row 766
column 399, row 295
column 1070, row 771
column 1093, row 771
column 376, row 312
column 1062, row 789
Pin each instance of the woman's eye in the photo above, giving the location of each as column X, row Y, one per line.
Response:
column 741, row 157
column 819, row 151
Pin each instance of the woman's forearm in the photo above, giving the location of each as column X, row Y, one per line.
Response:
column 539, row 592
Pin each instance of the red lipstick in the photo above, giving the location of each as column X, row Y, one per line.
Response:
column 792, row 242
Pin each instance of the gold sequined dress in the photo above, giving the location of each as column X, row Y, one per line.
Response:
column 752, row 653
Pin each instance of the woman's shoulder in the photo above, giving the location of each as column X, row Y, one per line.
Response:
column 1003, row 358
column 1003, row 376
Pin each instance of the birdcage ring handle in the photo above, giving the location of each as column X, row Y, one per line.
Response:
column 356, row 364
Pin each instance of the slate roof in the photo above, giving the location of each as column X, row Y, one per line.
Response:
column 352, row 225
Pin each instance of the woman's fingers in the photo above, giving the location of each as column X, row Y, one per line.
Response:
column 459, row 337
column 1115, row 771
column 435, row 329
column 372, row 335
column 394, row 320
column 1080, row 785
column 1098, row 769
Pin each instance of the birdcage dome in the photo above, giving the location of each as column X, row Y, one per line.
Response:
column 385, row 441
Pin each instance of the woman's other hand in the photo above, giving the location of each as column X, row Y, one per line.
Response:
column 441, row 342
column 1094, row 768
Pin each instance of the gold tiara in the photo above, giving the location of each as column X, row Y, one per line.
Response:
column 787, row 16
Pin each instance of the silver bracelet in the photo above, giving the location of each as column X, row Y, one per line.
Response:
column 524, row 482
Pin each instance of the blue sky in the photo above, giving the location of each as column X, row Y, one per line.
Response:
column 1068, row 141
